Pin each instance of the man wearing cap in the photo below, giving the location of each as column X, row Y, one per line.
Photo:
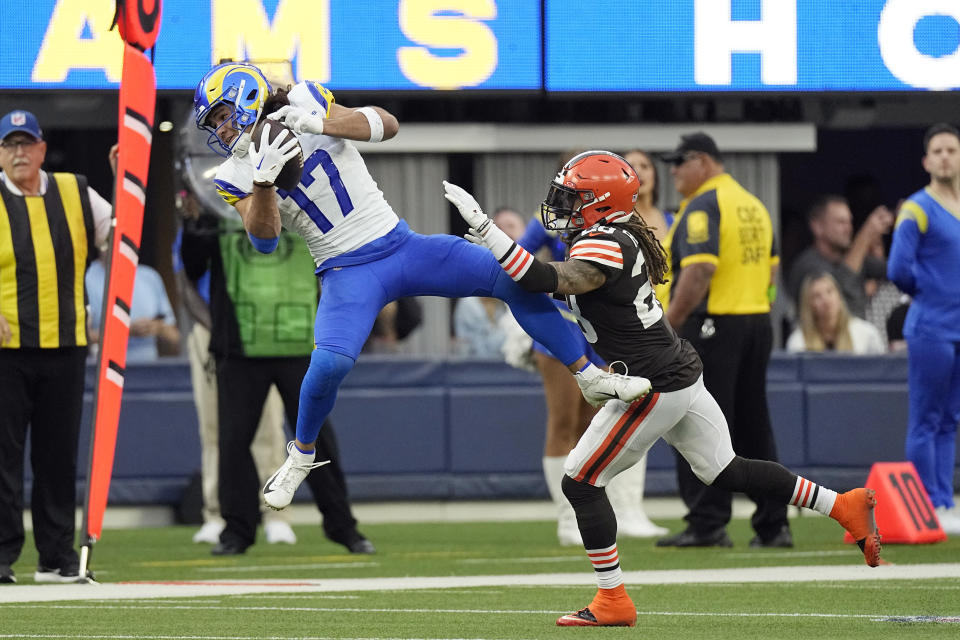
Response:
column 723, row 263
column 49, row 222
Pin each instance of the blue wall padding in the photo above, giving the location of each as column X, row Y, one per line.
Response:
column 425, row 428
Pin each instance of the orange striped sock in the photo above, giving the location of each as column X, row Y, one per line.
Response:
column 812, row 496
column 606, row 564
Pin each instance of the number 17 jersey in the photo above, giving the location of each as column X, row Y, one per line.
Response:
column 337, row 207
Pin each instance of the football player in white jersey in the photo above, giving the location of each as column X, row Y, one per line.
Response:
column 614, row 262
column 365, row 255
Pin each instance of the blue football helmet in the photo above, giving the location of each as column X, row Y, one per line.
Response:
column 240, row 85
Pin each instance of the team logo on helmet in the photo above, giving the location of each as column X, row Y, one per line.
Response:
column 243, row 88
column 18, row 118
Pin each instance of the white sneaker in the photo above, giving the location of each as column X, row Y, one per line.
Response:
column 638, row 525
column 280, row 487
column 949, row 521
column 599, row 386
column 209, row 533
column 278, row 531
column 47, row 575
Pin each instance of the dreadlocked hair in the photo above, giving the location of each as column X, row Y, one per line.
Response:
column 275, row 100
column 654, row 255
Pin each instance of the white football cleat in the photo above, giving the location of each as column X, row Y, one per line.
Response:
column 280, row 487
column 599, row 386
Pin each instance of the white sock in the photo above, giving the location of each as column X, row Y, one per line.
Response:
column 590, row 371
column 813, row 496
column 553, row 476
column 301, row 458
column 606, row 565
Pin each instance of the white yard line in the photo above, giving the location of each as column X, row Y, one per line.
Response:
column 288, row 567
column 580, row 557
column 39, row 636
column 487, row 612
column 213, row 588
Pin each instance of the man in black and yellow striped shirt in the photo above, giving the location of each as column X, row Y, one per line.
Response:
column 723, row 263
column 48, row 225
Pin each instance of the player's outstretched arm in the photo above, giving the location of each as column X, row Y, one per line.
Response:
column 574, row 276
column 365, row 124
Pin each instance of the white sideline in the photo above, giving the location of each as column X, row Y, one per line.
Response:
column 132, row 590
column 658, row 507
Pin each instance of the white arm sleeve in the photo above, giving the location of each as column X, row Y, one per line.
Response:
column 102, row 217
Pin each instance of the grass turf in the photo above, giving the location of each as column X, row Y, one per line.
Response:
column 715, row 610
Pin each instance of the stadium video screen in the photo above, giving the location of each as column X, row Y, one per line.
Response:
column 527, row 45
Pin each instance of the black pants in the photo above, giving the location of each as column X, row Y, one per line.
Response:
column 735, row 351
column 242, row 387
column 42, row 388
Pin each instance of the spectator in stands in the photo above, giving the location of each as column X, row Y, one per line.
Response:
column 262, row 310
column 649, row 193
column 850, row 259
column 477, row 321
column 396, row 321
column 478, row 327
column 49, row 225
column 267, row 447
column 895, row 321
column 723, row 261
column 826, row 323
column 925, row 263
column 153, row 325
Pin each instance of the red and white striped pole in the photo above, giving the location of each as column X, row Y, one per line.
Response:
column 139, row 24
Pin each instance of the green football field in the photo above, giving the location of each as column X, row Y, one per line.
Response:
column 486, row 580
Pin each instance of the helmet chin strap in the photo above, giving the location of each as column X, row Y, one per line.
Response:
column 242, row 146
column 619, row 216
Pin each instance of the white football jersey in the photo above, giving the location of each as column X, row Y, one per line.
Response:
column 337, row 207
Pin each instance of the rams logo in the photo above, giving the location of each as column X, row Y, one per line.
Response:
column 698, row 227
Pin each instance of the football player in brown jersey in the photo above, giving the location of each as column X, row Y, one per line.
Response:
column 608, row 281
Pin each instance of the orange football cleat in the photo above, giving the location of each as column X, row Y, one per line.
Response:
column 610, row 608
column 854, row 511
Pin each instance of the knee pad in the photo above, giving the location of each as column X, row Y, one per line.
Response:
column 326, row 371
column 580, row 492
column 595, row 517
column 734, row 477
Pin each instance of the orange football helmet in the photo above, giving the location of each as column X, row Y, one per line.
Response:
column 594, row 186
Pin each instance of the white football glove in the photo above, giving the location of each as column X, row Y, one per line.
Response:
column 269, row 159
column 482, row 229
column 299, row 119
column 467, row 206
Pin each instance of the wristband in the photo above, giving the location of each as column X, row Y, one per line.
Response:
column 263, row 245
column 528, row 272
column 375, row 122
